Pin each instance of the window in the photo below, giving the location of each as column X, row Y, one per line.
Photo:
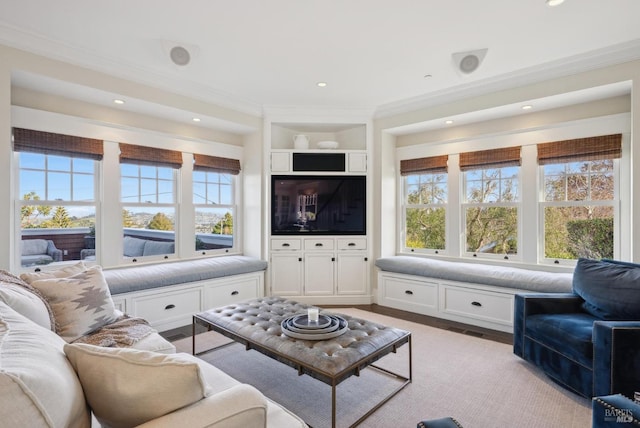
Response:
column 491, row 201
column 56, row 197
column 578, row 204
column 149, row 203
column 214, row 202
column 425, row 203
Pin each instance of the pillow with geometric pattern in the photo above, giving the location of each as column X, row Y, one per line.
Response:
column 81, row 303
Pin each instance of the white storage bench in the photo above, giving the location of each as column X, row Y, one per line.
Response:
column 470, row 293
column 168, row 294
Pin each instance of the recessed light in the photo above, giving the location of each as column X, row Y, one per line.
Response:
column 554, row 2
column 448, row 122
column 196, row 119
column 321, row 84
column 527, row 107
column 117, row 101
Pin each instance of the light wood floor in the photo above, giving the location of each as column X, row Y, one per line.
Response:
column 498, row 336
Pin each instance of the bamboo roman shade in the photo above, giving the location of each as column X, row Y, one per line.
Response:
column 583, row 149
column 49, row 143
column 142, row 155
column 430, row 165
column 216, row 164
column 496, row 158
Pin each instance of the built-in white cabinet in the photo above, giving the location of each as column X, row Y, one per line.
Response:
column 475, row 304
column 173, row 306
column 327, row 269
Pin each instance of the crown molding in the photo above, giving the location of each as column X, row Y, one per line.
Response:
column 612, row 55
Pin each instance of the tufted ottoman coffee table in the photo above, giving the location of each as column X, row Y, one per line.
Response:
column 256, row 324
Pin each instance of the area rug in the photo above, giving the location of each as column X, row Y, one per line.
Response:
column 477, row 381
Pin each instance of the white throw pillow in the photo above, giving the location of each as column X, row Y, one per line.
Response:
column 81, row 303
column 64, row 272
column 25, row 303
column 127, row 387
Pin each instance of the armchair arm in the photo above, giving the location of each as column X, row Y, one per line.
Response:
column 239, row 406
column 616, row 357
column 614, row 411
column 55, row 254
column 527, row 304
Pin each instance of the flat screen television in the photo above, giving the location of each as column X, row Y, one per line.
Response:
column 318, row 205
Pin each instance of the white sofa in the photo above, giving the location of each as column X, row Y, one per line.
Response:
column 47, row 382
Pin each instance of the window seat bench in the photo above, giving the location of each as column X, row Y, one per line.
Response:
column 168, row 294
column 470, row 293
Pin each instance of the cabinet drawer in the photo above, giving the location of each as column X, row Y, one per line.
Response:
column 318, row 244
column 479, row 304
column 413, row 296
column 285, row 244
column 167, row 306
column 221, row 295
column 352, row 244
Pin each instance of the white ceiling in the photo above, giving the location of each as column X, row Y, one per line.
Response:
column 252, row 55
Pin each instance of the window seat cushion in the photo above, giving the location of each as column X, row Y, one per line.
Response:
column 475, row 273
column 129, row 279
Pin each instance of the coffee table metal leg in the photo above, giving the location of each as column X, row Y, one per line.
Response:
column 333, row 405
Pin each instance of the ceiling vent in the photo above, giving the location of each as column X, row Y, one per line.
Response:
column 468, row 62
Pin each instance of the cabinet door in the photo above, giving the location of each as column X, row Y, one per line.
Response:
column 280, row 162
column 286, row 274
column 319, row 274
column 352, row 273
column 357, row 162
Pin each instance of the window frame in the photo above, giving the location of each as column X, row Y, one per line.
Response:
column 615, row 204
column 433, row 205
column 175, row 205
column 94, row 204
column 465, row 205
column 232, row 207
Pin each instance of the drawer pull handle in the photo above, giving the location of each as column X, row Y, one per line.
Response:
column 478, row 304
column 299, row 259
column 286, row 244
column 366, row 259
column 333, row 259
column 134, row 260
column 166, row 257
column 351, row 244
column 171, row 306
column 235, row 293
column 318, row 244
column 37, row 270
column 409, row 292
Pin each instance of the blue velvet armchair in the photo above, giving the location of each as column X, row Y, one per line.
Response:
column 587, row 341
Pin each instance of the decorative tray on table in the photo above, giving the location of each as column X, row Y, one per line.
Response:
column 327, row 327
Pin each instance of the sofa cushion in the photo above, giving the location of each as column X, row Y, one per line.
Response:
column 127, row 387
column 25, row 303
column 38, row 386
column 81, row 303
column 155, row 248
column 33, row 247
column 62, row 272
column 568, row 334
column 611, row 290
column 132, row 247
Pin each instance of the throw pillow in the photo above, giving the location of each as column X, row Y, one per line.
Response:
column 81, row 303
column 610, row 289
column 126, row 387
column 64, row 272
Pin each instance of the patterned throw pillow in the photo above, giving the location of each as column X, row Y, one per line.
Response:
column 63, row 272
column 81, row 303
column 127, row 387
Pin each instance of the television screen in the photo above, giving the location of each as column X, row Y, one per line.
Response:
column 318, row 205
